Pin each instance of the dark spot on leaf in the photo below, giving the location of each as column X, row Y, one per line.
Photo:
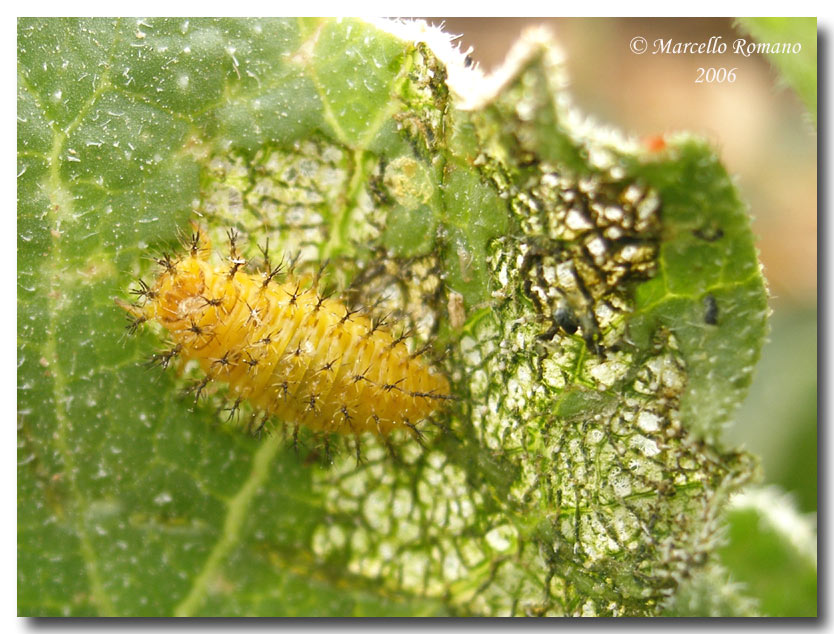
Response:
column 710, row 310
column 710, row 233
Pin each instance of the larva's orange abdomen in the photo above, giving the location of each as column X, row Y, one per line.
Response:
column 291, row 353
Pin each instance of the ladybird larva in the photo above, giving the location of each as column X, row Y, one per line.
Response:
column 291, row 352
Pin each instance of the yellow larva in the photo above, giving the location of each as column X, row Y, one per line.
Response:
column 293, row 354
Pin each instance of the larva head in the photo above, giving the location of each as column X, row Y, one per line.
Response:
column 179, row 292
column 175, row 296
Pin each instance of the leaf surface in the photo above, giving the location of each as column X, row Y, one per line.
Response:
column 601, row 307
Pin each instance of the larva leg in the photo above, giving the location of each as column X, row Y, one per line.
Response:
column 295, row 438
column 259, row 428
column 358, row 447
column 328, row 458
column 386, row 441
column 416, row 433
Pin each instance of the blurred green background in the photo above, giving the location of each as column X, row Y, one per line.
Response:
column 766, row 138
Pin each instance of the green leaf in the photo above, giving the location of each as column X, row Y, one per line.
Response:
column 799, row 68
column 601, row 308
column 772, row 550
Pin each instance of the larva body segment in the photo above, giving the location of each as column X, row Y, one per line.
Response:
column 290, row 352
